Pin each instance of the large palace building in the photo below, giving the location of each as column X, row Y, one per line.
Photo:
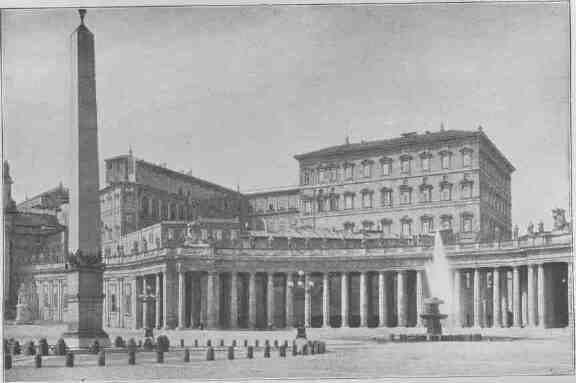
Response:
column 347, row 247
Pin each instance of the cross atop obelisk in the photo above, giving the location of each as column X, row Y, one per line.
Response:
column 85, row 287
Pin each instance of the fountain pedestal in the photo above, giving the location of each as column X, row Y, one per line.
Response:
column 432, row 317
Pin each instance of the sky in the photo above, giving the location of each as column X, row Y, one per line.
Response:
column 233, row 93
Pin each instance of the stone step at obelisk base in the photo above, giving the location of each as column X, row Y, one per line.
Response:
column 84, row 266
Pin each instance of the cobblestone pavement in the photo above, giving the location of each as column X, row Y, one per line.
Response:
column 352, row 353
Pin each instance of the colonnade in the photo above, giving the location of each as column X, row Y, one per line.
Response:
column 503, row 296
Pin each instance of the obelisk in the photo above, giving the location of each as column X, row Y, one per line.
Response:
column 84, row 266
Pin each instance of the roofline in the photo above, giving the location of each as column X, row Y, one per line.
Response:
column 277, row 190
column 176, row 173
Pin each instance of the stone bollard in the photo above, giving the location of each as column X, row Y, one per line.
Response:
column 7, row 361
column 221, row 342
column 305, row 349
column 312, row 348
column 186, row 355
column 245, row 342
column 234, row 343
column 210, row 353
column 102, row 358
column 250, row 352
column 159, row 356
column 230, row 353
column 208, row 343
column 282, row 351
column 38, row 361
column 195, row 342
column 267, row 351
column 131, row 357
column 256, row 343
column 69, row 359
column 181, row 342
column 294, row 349
column 276, row 343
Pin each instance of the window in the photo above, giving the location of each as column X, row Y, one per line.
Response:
column 445, row 159
column 334, row 202
column 144, row 206
column 405, row 164
column 321, row 176
column 367, row 225
column 113, row 303
column 155, row 208
column 366, row 199
column 405, row 196
column 349, row 227
column 446, row 222
column 426, row 193
column 386, row 197
column 164, row 210
column 386, row 226
column 466, row 157
column 348, row 171
column 182, row 212
column 386, row 166
column 321, row 204
column 427, row 225
column 173, row 214
column 307, row 207
column 348, row 201
column 425, row 159
column 446, row 191
column 467, row 190
column 466, row 223
column 406, row 228
column 367, row 169
column 218, row 234
column 233, row 235
column 204, row 234
column 306, row 177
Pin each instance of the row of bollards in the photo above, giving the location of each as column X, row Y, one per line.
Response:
column 308, row 348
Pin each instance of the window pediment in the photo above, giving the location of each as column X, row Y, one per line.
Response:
column 405, row 157
column 386, row 160
column 386, row 221
column 425, row 154
column 405, row 219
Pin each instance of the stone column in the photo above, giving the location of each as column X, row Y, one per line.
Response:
column 289, row 300
column 382, row 301
column 541, row 297
column 456, row 305
column 159, row 300
column 307, row 308
column 363, row 301
column 212, row 299
column 569, row 285
column 191, row 299
column 344, row 299
column 181, row 298
column 234, row 300
column 531, row 297
column 145, row 304
column 59, row 301
column 516, row 296
column 401, row 300
column 134, row 303
column 497, row 318
column 121, row 301
column 476, row 294
column 326, row 300
column 419, row 298
column 270, row 300
column 252, row 301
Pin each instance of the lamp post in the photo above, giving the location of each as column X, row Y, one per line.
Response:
column 147, row 297
column 306, row 287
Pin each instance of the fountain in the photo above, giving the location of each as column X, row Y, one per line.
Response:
column 439, row 280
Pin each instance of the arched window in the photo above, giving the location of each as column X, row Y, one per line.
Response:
column 348, row 201
column 406, row 226
column 425, row 159
column 349, row 227
column 446, row 159
column 427, row 223
column 466, row 222
column 367, row 225
column 405, row 195
column 466, row 157
column 446, row 222
column 386, row 225
column 386, row 166
column 405, row 164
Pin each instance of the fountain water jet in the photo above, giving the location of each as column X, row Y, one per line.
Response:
column 439, row 278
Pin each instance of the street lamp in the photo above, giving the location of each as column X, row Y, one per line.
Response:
column 301, row 285
column 147, row 297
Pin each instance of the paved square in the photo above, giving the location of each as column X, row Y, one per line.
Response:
column 352, row 353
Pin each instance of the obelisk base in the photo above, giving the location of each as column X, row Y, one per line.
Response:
column 84, row 339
